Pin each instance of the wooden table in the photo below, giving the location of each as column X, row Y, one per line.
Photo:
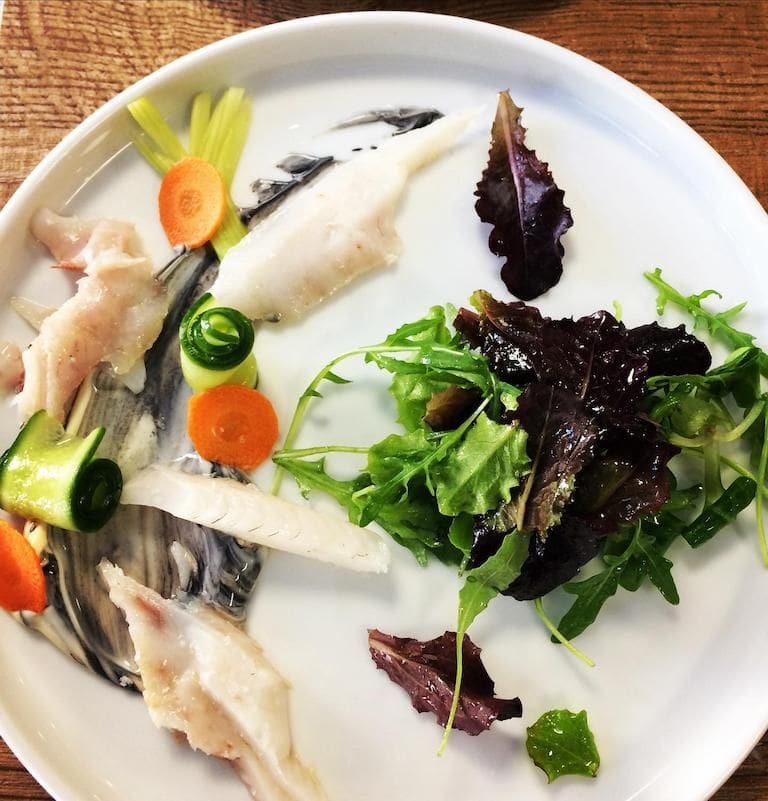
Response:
column 707, row 61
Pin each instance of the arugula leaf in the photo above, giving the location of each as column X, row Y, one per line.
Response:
column 414, row 463
column 415, row 523
column 484, row 583
column 652, row 562
column 461, row 536
column 398, row 452
column 718, row 324
column 721, row 513
column 432, row 328
column 433, row 360
column 479, row 474
column 311, row 475
column 738, row 378
column 628, row 560
column 590, row 594
column 424, row 356
column 560, row 743
column 430, row 370
column 481, row 586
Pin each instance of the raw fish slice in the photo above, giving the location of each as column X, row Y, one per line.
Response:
column 83, row 244
column 249, row 514
column 340, row 227
column 207, row 679
column 115, row 317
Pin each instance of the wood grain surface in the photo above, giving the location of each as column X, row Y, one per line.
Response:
column 707, row 61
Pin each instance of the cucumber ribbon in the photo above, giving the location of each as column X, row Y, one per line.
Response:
column 52, row 477
column 216, row 346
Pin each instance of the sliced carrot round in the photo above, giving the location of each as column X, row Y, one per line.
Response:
column 22, row 583
column 192, row 201
column 232, row 425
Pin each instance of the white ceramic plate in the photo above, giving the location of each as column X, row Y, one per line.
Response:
column 679, row 694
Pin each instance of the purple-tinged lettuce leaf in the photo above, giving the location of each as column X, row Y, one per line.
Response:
column 670, row 351
column 589, row 357
column 628, row 480
column 427, row 672
column 488, row 533
column 519, row 198
column 561, row 439
column 585, row 381
column 556, row 559
column 506, row 345
column 449, row 408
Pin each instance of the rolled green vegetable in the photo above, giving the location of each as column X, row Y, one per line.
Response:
column 216, row 346
column 51, row 477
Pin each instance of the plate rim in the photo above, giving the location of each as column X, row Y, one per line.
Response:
column 54, row 781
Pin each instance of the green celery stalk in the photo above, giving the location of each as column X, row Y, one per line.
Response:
column 199, row 119
column 231, row 231
column 222, row 119
column 232, row 146
column 156, row 128
column 159, row 162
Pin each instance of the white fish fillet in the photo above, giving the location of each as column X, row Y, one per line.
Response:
column 115, row 317
column 249, row 514
column 338, row 228
column 205, row 678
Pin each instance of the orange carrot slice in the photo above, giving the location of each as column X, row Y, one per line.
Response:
column 232, row 425
column 192, row 201
column 22, row 584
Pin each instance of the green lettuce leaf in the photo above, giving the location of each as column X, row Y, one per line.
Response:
column 477, row 476
column 398, row 453
column 561, row 743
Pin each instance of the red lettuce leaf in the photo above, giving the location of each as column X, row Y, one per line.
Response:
column 427, row 672
column 581, row 408
column 589, row 357
column 562, row 438
column 449, row 408
column 628, row 479
column 519, row 198
column 670, row 351
column 555, row 559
